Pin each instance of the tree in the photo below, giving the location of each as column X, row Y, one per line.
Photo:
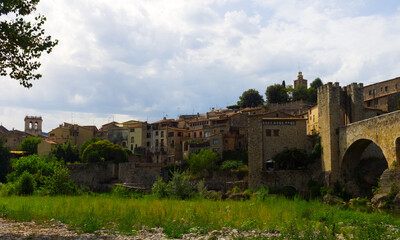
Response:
column 277, row 94
column 4, row 160
column 22, row 42
column 102, row 151
column 205, row 160
column 316, row 83
column 66, row 152
column 292, row 158
column 250, row 98
column 30, row 145
column 87, row 143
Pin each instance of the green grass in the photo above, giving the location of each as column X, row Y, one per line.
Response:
column 294, row 219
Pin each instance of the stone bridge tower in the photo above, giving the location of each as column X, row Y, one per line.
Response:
column 33, row 125
column 337, row 107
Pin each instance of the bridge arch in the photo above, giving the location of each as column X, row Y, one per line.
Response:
column 361, row 166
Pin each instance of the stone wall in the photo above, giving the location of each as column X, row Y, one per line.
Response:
column 95, row 176
column 297, row 179
column 388, row 178
column 99, row 177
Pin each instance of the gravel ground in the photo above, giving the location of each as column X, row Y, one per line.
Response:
column 57, row 230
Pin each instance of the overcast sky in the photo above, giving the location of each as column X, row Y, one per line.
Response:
column 144, row 59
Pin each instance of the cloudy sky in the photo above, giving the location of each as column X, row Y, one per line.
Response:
column 146, row 59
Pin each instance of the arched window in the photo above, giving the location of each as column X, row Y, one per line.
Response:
column 30, row 125
column 36, row 125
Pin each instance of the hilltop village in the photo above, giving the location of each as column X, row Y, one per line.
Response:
column 261, row 132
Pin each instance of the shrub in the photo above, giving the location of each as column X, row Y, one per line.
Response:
column 60, row 183
column 262, row 193
column 106, row 150
column 26, row 184
column 180, row 186
column 66, row 152
column 160, row 189
column 291, row 158
column 202, row 189
column 30, row 144
column 231, row 165
column 205, row 160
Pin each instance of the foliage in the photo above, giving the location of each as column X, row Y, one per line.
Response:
column 160, row 189
column 178, row 187
column 205, row 160
column 30, row 144
column 291, row 158
column 250, row 98
column 277, row 94
column 316, row 152
column 4, row 160
column 231, row 165
column 60, row 183
column 66, row 152
column 102, row 151
column 86, row 144
column 22, row 41
column 235, row 106
column 48, row 176
column 33, row 164
column 238, row 155
column 26, row 184
column 316, row 83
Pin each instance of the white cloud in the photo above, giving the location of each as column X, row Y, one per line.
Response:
column 151, row 58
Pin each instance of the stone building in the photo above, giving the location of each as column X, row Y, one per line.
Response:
column 75, row 133
column 269, row 134
column 300, row 81
column 13, row 138
column 383, row 95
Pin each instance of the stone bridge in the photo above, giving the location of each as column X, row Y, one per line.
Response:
column 382, row 130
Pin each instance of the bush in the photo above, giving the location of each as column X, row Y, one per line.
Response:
column 106, row 151
column 60, row 183
column 26, row 184
column 231, row 165
column 205, row 160
column 160, row 189
column 30, row 144
column 66, row 152
column 292, row 158
column 179, row 186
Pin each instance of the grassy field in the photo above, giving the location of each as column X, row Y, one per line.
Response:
column 294, row 219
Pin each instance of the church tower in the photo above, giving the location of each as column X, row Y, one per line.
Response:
column 33, row 125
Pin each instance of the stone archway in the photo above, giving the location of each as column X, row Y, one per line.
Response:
column 362, row 165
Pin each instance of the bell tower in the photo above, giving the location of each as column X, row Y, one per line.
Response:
column 33, row 125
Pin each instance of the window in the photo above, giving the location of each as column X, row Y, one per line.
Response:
column 132, row 139
column 132, row 130
column 201, row 133
column 370, row 92
column 179, row 134
column 386, row 88
column 124, row 136
column 52, row 134
column 172, row 143
column 215, row 141
column 170, row 134
column 156, row 133
column 148, row 135
column 131, row 147
column 313, row 118
column 115, row 136
column 162, row 133
column 276, row 132
column 148, row 144
column 268, row 132
column 194, row 135
column 162, row 143
column 156, row 142
column 207, row 134
column 123, row 144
